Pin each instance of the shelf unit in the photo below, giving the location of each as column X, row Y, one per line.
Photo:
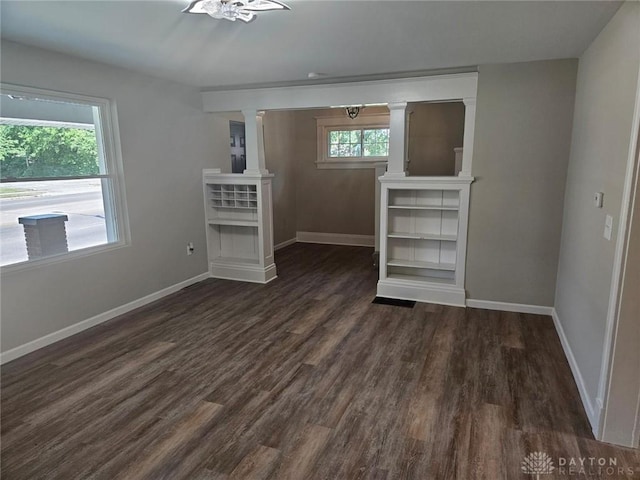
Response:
column 423, row 232
column 239, row 229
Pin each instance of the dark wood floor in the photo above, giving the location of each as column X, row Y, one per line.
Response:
column 303, row 378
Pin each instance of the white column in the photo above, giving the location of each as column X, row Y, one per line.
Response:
column 467, row 142
column 380, row 170
column 397, row 140
column 254, row 142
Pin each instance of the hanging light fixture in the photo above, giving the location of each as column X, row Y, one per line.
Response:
column 353, row 112
column 233, row 10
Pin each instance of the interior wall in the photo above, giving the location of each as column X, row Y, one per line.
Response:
column 166, row 142
column 329, row 201
column 522, row 141
column 605, row 97
column 280, row 159
column 435, row 129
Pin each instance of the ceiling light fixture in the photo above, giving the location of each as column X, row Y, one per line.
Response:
column 353, row 112
column 233, row 10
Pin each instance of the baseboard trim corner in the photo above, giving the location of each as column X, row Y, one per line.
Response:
column 336, row 239
column 510, row 307
column 592, row 414
column 58, row 335
column 286, row 243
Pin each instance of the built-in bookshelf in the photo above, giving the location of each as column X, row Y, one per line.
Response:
column 239, row 234
column 423, row 238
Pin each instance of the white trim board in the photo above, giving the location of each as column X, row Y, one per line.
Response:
column 510, row 307
column 628, row 191
column 414, row 89
column 336, row 239
column 284, row 244
column 592, row 414
column 53, row 337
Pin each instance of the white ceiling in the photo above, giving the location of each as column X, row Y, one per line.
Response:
column 341, row 38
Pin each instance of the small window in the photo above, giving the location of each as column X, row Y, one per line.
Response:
column 59, row 176
column 346, row 143
column 371, row 142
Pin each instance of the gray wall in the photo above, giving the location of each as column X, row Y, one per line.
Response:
column 166, row 142
column 329, row 201
column 522, row 141
column 280, row 158
column 605, row 96
column 435, row 129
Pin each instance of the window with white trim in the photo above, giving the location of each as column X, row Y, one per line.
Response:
column 357, row 143
column 60, row 176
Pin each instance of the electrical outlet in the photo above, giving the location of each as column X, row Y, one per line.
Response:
column 190, row 248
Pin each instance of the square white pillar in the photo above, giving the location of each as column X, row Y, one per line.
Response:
column 467, row 142
column 396, row 165
column 254, row 142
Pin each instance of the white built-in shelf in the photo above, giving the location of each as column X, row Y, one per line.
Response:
column 399, row 262
column 237, row 223
column 425, row 207
column 423, row 247
column 423, row 236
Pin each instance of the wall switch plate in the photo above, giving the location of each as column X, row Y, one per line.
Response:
column 597, row 199
column 190, row 248
column 608, row 227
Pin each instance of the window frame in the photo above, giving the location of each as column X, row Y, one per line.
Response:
column 113, row 191
column 324, row 125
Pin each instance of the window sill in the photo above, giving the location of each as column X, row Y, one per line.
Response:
column 349, row 164
column 63, row 257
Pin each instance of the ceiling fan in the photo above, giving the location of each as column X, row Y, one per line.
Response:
column 233, row 10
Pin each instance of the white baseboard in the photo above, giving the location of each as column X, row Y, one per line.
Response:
column 93, row 321
column 592, row 413
column 243, row 273
column 286, row 243
column 510, row 307
column 407, row 290
column 336, row 239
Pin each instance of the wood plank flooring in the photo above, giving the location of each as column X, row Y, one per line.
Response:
column 302, row 379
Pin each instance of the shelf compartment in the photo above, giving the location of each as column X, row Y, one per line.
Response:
column 426, row 207
column 232, row 222
column 423, row 236
column 398, row 262
column 421, row 278
column 425, row 198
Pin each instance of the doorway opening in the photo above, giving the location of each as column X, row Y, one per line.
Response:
column 237, row 144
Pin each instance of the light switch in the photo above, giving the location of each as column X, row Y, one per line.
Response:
column 597, row 199
column 608, row 227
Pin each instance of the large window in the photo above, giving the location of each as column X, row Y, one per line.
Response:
column 60, row 188
column 357, row 143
